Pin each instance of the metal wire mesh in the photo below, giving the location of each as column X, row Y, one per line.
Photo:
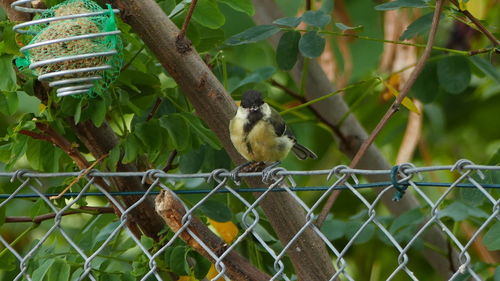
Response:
column 81, row 227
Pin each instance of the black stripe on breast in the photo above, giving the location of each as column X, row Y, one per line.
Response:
column 253, row 118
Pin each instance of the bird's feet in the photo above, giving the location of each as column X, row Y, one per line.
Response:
column 267, row 172
column 234, row 173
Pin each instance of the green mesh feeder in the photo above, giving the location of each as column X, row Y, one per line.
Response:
column 75, row 46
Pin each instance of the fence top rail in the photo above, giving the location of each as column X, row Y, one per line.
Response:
column 407, row 169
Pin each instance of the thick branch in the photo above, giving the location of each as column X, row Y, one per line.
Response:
column 318, row 85
column 100, row 141
column 216, row 108
column 172, row 211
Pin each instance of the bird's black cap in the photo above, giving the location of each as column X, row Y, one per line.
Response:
column 251, row 98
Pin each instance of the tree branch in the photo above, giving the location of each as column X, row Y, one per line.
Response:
column 478, row 24
column 41, row 218
column 172, row 211
column 216, row 108
column 317, row 85
column 406, row 89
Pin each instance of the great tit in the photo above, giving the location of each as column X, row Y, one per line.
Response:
column 260, row 134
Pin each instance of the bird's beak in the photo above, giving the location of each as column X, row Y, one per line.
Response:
column 254, row 108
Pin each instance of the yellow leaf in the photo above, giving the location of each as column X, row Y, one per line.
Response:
column 42, row 107
column 408, row 103
column 477, row 8
column 212, row 273
column 226, row 230
column 186, row 278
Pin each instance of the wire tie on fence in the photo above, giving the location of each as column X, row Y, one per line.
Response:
column 151, row 175
column 399, row 186
column 216, row 174
column 337, row 171
column 273, row 174
column 18, row 174
column 460, row 167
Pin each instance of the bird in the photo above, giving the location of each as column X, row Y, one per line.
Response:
column 259, row 133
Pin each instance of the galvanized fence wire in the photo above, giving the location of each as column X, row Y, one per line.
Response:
column 405, row 178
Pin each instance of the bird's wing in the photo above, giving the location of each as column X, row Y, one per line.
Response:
column 280, row 127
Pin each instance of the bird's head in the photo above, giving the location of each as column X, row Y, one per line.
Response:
column 252, row 100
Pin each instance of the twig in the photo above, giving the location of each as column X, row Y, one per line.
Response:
column 79, row 177
column 392, row 110
column 185, row 24
column 333, row 127
column 44, row 217
column 154, row 109
column 132, row 59
column 170, row 161
column 478, row 24
column 458, row 52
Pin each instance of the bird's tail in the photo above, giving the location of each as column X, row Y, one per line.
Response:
column 303, row 152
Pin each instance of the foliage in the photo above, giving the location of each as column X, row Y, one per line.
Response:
column 460, row 93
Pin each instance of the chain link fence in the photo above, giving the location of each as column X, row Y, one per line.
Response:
column 216, row 227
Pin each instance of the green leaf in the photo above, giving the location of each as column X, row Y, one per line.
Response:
column 458, row 211
column 9, row 37
column 174, row 123
column 8, row 80
column 401, row 4
column 216, row 210
column 8, row 103
column 167, row 5
column 259, row 75
column 147, row 242
column 191, row 162
column 42, row 270
column 353, row 226
column 59, row 271
column 5, row 150
column 419, row 27
column 426, row 87
column 207, row 13
column 202, row 265
column 253, row 34
column 42, row 156
column 492, row 238
column 327, row 6
column 97, row 111
column 205, row 134
column 486, row 67
column 288, row 21
column 178, row 262
column 131, row 147
column 9, row 261
column 454, row 74
column 2, row 215
column 496, row 277
column 209, row 39
column 410, row 217
column 311, row 45
column 344, row 27
column 316, row 18
column 288, row 48
column 334, row 229
column 244, row 6
column 78, row 111
column 149, row 134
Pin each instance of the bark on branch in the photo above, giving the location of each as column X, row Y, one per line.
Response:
column 216, row 108
column 172, row 211
column 352, row 135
